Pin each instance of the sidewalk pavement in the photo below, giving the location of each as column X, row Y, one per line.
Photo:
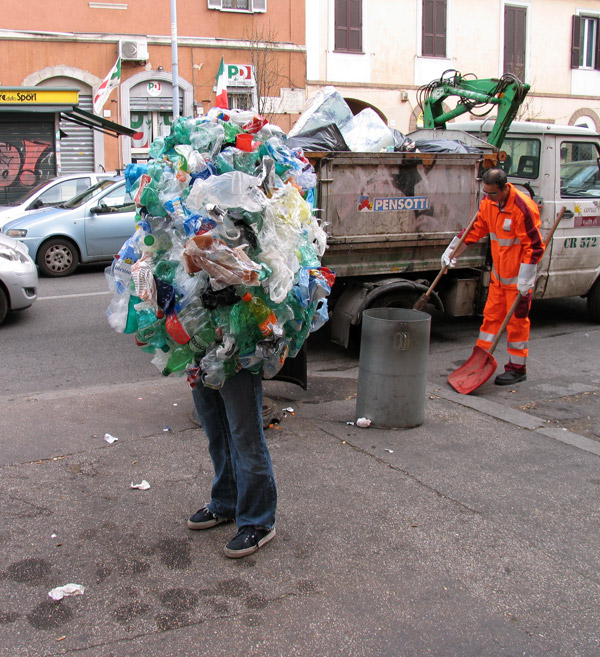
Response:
column 475, row 534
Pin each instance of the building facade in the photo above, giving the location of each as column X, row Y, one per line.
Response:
column 379, row 53
column 76, row 44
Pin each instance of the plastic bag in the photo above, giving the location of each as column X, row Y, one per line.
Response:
column 233, row 189
column 326, row 107
column 367, row 133
column 324, row 138
column 440, row 146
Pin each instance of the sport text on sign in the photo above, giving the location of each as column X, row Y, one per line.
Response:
column 28, row 96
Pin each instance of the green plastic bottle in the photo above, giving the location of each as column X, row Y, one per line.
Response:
column 264, row 316
column 179, row 358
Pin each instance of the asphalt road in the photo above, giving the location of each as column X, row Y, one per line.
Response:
column 473, row 534
column 65, row 344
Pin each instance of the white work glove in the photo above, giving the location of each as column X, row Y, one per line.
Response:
column 526, row 279
column 451, row 253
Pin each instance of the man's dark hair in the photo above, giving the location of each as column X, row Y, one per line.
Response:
column 495, row 177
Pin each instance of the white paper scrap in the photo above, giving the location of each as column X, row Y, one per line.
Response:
column 68, row 589
column 144, row 485
column 110, row 439
column 363, row 422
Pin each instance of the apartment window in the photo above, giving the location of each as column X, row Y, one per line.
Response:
column 434, row 28
column 238, row 5
column 348, row 25
column 515, row 22
column 585, row 46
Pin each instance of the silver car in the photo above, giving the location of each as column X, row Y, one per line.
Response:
column 18, row 277
column 91, row 227
column 50, row 192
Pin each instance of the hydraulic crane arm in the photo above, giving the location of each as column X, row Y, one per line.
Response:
column 506, row 93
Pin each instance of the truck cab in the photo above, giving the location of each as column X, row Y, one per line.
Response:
column 559, row 167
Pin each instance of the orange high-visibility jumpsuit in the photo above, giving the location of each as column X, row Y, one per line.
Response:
column 515, row 238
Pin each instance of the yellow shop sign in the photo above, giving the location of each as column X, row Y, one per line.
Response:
column 38, row 96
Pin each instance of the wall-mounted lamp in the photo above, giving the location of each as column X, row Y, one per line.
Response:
column 160, row 68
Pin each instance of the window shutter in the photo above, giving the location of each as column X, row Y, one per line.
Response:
column 440, row 28
column 433, row 43
column 214, row 4
column 515, row 20
column 259, row 5
column 355, row 25
column 575, row 41
column 427, row 45
column 341, row 25
column 597, row 45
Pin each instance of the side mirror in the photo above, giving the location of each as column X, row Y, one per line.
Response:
column 38, row 203
column 97, row 209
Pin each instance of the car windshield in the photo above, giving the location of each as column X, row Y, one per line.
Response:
column 82, row 198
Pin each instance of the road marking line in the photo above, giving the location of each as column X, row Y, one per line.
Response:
column 72, row 296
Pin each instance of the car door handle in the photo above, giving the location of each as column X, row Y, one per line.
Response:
column 568, row 214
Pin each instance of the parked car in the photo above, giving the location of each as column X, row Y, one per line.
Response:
column 50, row 192
column 91, row 227
column 18, row 277
column 584, row 181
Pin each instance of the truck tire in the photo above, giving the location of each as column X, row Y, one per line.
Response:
column 57, row 257
column 593, row 302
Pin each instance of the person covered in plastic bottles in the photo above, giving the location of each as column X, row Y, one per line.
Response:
column 222, row 281
column 512, row 221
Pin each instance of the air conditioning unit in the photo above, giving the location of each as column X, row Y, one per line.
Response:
column 134, row 50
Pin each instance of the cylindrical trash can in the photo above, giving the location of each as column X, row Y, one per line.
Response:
column 392, row 375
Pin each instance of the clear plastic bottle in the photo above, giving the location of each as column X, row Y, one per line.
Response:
column 265, row 317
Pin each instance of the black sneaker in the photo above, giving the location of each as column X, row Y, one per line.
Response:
column 509, row 377
column 205, row 519
column 248, row 540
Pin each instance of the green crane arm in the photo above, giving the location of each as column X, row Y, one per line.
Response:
column 506, row 93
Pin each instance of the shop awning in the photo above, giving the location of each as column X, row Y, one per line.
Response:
column 77, row 115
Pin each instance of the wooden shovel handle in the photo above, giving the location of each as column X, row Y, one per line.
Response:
column 518, row 298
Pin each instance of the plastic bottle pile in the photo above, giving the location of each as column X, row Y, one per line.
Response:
column 223, row 271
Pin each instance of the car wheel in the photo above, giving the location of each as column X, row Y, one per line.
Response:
column 57, row 257
column 593, row 302
column 3, row 305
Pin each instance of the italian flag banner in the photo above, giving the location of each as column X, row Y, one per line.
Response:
column 222, row 100
column 110, row 82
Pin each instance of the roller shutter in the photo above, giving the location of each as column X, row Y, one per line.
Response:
column 77, row 149
column 27, row 153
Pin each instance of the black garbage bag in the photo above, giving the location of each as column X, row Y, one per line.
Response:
column 444, row 146
column 325, row 138
column 402, row 144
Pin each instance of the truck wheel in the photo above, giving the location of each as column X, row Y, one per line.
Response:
column 57, row 257
column 3, row 305
column 593, row 302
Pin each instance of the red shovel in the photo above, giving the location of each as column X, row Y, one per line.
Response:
column 480, row 366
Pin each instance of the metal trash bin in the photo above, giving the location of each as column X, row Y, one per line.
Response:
column 392, row 376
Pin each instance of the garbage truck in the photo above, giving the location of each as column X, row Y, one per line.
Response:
column 390, row 215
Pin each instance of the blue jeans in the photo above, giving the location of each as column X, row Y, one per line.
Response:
column 244, row 483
